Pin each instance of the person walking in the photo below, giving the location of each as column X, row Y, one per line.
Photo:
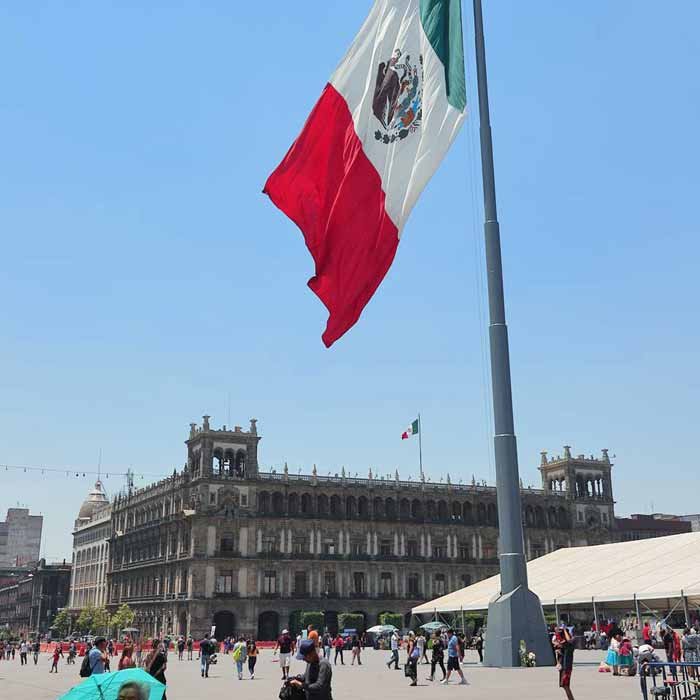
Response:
column 156, row 663
column 72, row 653
column 97, row 656
column 126, row 660
column 239, row 656
column 422, row 645
column 252, row 656
column 438, row 657
column 394, row 642
column 563, row 643
column 205, row 652
column 284, row 646
column 412, row 660
column 356, row 651
column 338, row 644
column 316, row 681
column 23, row 649
column 36, row 648
column 57, row 654
column 453, row 659
column 139, row 653
column 326, row 645
column 190, row 645
column 180, row 647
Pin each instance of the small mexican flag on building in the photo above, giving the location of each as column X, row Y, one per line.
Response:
column 412, row 429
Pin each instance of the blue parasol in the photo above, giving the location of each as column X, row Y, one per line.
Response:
column 130, row 684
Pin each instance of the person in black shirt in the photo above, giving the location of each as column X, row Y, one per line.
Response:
column 563, row 643
column 316, row 682
column 438, row 657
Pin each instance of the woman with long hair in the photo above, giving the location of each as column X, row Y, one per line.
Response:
column 252, row 654
column 126, row 660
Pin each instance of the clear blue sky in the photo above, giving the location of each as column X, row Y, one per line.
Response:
column 144, row 277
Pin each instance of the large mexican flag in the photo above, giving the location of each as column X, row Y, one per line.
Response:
column 383, row 124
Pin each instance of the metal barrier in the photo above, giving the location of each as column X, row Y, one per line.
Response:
column 670, row 681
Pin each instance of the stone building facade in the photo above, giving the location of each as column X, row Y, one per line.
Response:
column 223, row 544
column 20, row 538
column 91, row 536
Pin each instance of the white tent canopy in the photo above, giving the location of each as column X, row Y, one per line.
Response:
column 654, row 571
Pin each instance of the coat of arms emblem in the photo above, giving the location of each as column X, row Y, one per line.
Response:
column 398, row 97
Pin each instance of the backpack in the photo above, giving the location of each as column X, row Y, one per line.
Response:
column 85, row 667
column 237, row 653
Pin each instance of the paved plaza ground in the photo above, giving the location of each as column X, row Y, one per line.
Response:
column 373, row 679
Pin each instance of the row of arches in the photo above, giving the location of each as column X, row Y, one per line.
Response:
column 536, row 516
column 378, row 508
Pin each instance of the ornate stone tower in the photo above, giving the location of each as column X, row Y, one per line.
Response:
column 225, row 453
column 587, row 481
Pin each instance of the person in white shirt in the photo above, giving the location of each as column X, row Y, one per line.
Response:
column 394, row 651
column 23, row 649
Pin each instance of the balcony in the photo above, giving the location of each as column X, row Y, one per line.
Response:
column 359, row 595
column 270, row 595
column 229, row 594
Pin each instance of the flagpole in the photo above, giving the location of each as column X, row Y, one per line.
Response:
column 420, row 446
column 516, row 614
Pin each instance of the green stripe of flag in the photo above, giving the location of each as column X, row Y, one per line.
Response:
column 442, row 24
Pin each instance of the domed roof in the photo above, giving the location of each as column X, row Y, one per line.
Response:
column 97, row 498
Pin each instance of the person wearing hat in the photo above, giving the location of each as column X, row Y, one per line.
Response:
column 284, row 646
column 316, row 681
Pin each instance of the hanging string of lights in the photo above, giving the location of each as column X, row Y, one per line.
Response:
column 79, row 472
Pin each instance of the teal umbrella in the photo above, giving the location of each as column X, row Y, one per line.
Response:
column 130, row 684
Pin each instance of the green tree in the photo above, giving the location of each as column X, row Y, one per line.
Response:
column 86, row 620
column 312, row 618
column 389, row 618
column 101, row 620
column 62, row 623
column 351, row 621
column 122, row 618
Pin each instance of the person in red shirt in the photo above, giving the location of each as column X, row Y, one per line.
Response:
column 57, row 654
column 646, row 633
column 338, row 644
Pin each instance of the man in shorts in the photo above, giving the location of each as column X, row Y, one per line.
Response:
column 563, row 641
column 453, row 662
column 284, row 646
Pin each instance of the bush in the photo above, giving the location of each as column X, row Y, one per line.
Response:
column 389, row 618
column 312, row 618
column 351, row 621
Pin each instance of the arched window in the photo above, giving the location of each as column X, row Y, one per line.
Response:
column 390, row 508
column 442, row 511
column 552, row 516
column 539, row 517
column 229, row 460
column 239, row 466
column 378, row 507
column 350, row 507
column 467, row 515
column 293, row 504
column 416, row 509
column 263, row 503
column 563, row 518
column 306, row 504
column 457, row 510
column 362, row 507
column 322, row 505
column 405, row 509
column 218, row 461
column 493, row 515
column 481, row 513
column 336, row 506
column 431, row 510
column 277, row 503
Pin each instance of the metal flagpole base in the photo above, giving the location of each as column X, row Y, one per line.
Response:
column 514, row 617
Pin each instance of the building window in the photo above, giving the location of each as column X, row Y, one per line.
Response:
column 270, row 545
column 605, row 517
column 244, row 500
column 359, row 581
column 224, row 582
column 357, row 549
column 385, row 548
column 439, row 584
column 300, row 547
column 270, row 582
column 580, row 516
column 413, row 585
column 439, row 552
column 329, row 582
column 412, row 548
column 212, row 497
column 300, row 583
column 466, row 580
column 227, row 543
column 464, row 552
column 329, row 547
column 386, row 583
column 489, row 551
